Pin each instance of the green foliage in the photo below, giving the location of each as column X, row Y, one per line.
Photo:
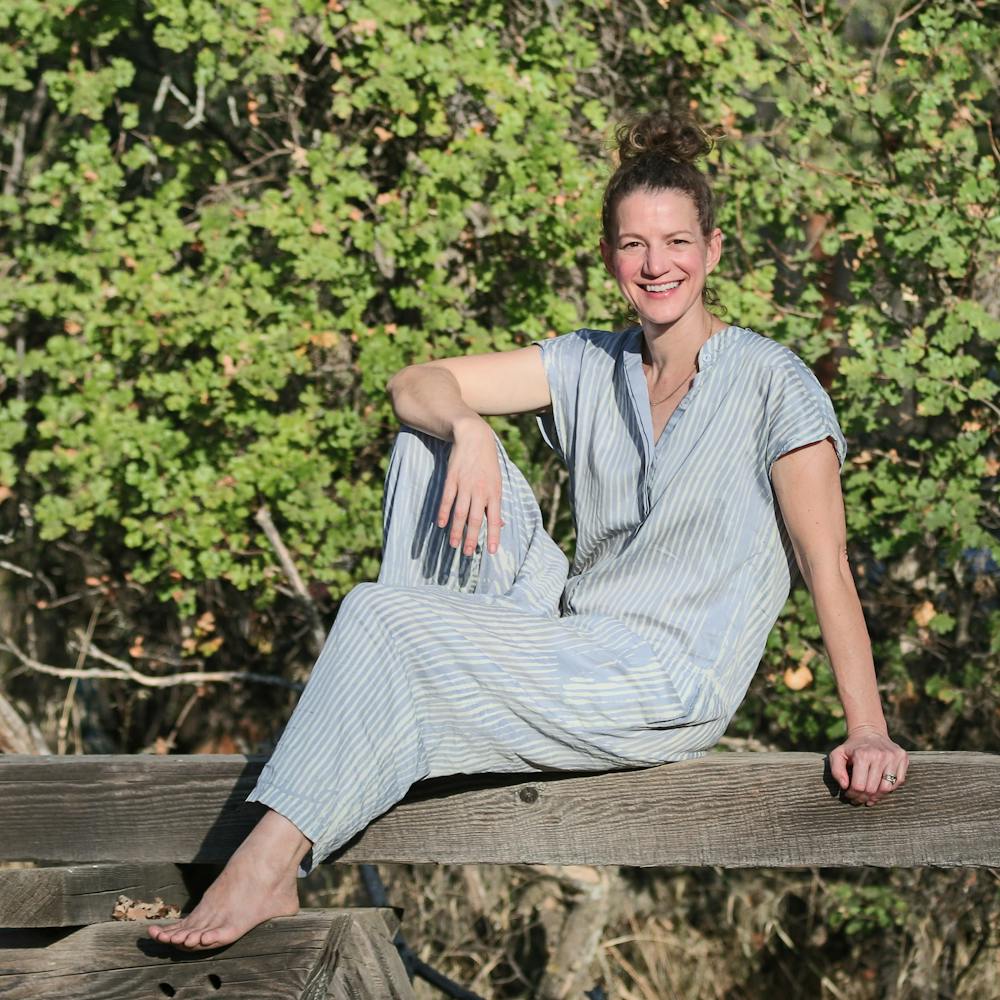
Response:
column 864, row 909
column 225, row 225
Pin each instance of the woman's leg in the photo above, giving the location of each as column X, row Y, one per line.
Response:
column 355, row 742
column 354, row 745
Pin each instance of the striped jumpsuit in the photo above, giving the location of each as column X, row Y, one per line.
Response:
column 638, row 654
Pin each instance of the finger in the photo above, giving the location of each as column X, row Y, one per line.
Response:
column 859, row 775
column 447, row 499
column 885, row 786
column 458, row 519
column 473, row 525
column 902, row 766
column 897, row 767
column 838, row 767
column 493, row 522
column 876, row 775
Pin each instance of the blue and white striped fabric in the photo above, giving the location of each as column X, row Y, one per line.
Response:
column 638, row 654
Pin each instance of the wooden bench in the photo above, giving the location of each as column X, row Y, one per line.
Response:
column 99, row 826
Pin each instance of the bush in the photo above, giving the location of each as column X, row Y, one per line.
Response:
column 224, row 226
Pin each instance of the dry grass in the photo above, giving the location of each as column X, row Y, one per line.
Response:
column 691, row 934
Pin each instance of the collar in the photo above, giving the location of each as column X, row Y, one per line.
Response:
column 709, row 352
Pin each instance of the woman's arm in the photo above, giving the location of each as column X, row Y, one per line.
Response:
column 437, row 395
column 807, row 486
column 446, row 399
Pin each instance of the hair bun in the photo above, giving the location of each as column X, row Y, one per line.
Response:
column 674, row 135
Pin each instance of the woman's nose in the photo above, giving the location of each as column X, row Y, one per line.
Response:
column 655, row 263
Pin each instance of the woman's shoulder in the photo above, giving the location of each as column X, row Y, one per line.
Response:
column 587, row 335
column 763, row 353
column 588, row 343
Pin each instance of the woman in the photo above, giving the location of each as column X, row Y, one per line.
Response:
column 704, row 463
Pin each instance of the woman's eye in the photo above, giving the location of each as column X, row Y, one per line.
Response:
column 630, row 245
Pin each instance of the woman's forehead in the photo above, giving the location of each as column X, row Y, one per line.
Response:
column 657, row 208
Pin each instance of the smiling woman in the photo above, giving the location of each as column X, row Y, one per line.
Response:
column 700, row 474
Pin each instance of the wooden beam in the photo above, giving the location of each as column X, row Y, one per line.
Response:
column 728, row 809
column 289, row 958
column 82, row 894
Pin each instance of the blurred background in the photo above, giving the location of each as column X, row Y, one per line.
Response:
column 224, row 225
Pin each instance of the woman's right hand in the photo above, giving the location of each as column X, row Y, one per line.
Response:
column 472, row 485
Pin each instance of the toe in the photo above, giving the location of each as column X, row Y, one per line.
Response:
column 162, row 932
column 215, row 937
column 188, row 939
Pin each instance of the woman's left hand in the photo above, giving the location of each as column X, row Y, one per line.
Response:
column 860, row 763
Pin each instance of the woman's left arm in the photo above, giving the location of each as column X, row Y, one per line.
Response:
column 806, row 484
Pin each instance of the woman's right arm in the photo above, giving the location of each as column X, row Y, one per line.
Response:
column 447, row 399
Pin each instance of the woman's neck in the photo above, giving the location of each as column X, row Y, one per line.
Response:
column 670, row 349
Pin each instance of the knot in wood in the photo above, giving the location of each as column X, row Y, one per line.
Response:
column 528, row 794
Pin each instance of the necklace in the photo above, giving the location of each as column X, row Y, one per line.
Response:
column 689, row 374
column 669, row 394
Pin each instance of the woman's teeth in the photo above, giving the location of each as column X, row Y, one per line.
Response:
column 666, row 287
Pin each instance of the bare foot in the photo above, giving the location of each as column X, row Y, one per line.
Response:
column 258, row 882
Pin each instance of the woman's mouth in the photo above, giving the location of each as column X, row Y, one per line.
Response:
column 660, row 288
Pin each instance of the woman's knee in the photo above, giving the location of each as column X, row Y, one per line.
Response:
column 364, row 599
column 414, row 445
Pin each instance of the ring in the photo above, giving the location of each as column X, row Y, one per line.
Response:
column 891, row 778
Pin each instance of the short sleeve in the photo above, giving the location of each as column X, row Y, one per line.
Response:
column 798, row 412
column 562, row 358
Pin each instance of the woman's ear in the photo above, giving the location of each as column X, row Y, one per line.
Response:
column 607, row 255
column 713, row 250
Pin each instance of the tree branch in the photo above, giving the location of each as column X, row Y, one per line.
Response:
column 124, row 671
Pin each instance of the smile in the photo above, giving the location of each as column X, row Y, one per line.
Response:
column 666, row 286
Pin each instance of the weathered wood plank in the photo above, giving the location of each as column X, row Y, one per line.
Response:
column 729, row 809
column 82, row 894
column 290, row 958
column 367, row 963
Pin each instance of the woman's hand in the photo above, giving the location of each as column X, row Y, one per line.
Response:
column 870, row 755
column 472, row 485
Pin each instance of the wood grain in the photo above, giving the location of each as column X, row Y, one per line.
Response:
column 728, row 809
column 289, row 958
column 82, row 894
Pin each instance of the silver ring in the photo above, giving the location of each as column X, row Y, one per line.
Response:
column 891, row 778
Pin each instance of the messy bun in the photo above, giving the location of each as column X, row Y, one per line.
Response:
column 658, row 152
column 673, row 136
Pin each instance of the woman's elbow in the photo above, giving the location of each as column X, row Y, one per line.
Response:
column 395, row 383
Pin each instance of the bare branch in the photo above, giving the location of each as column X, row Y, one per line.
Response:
column 263, row 518
column 124, row 671
column 896, row 22
column 20, row 570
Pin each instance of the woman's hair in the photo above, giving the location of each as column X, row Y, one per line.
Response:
column 657, row 152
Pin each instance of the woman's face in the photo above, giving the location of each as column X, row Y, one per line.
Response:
column 660, row 258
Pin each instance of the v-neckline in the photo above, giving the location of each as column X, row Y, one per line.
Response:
column 640, row 390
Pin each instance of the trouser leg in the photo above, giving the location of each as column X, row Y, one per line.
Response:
column 355, row 742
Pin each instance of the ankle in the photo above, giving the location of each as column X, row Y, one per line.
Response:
column 275, row 844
